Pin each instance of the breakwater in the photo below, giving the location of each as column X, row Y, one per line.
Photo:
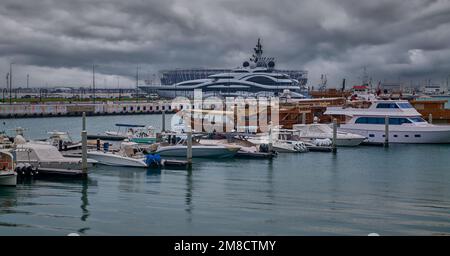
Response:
column 76, row 109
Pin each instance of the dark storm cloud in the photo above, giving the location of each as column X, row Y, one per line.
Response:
column 58, row 40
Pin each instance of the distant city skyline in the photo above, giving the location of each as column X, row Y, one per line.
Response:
column 57, row 42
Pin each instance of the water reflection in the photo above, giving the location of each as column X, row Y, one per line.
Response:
column 8, row 198
column 188, row 194
column 84, row 205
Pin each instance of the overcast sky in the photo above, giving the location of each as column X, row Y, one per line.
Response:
column 57, row 41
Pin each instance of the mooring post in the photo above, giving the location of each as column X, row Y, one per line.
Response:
column 189, row 147
column 303, row 118
column 334, row 142
column 386, row 131
column 163, row 121
column 270, row 146
column 84, row 145
column 430, row 118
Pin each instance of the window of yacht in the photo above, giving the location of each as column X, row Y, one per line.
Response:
column 262, row 80
column 399, row 121
column 380, row 120
column 417, row 120
column 223, row 77
column 404, row 105
column 190, row 83
column 387, row 105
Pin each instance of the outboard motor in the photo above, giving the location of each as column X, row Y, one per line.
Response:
column 264, row 148
column 26, row 169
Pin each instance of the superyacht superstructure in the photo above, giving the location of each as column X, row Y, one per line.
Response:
column 256, row 77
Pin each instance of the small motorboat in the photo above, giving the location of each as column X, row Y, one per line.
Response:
column 62, row 141
column 280, row 145
column 47, row 159
column 203, row 151
column 129, row 154
column 135, row 133
column 8, row 175
column 318, row 131
column 289, row 146
column 179, row 149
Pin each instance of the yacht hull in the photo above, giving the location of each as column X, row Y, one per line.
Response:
column 349, row 142
column 340, row 141
column 418, row 136
column 8, row 179
column 116, row 160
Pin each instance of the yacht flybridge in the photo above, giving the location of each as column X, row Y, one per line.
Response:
column 406, row 125
column 256, row 77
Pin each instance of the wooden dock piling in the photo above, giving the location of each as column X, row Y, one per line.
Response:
column 386, row 131
column 84, row 146
column 334, row 141
column 163, row 121
column 189, row 147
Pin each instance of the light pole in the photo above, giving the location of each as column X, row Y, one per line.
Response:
column 118, row 86
column 6, row 88
column 28, row 81
column 93, row 80
column 10, row 82
column 137, row 83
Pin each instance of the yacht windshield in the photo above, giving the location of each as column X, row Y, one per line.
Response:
column 417, row 119
column 404, row 105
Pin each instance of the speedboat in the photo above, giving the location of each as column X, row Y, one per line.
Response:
column 405, row 124
column 62, row 140
column 280, row 145
column 317, row 131
column 289, row 146
column 8, row 176
column 198, row 150
column 203, row 151
column 46, row 157
column 128, row 155
column 135, row 133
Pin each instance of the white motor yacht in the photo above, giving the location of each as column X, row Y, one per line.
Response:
column 406, row 125
column 324, row 131
column 8, row 176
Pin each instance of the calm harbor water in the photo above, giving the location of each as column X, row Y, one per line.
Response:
column 402, row 190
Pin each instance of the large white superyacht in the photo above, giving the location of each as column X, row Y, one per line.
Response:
column 256, row 77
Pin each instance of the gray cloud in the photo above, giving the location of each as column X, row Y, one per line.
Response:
column 56, row 41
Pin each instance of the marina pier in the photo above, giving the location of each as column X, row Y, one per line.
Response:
column 76, row 109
